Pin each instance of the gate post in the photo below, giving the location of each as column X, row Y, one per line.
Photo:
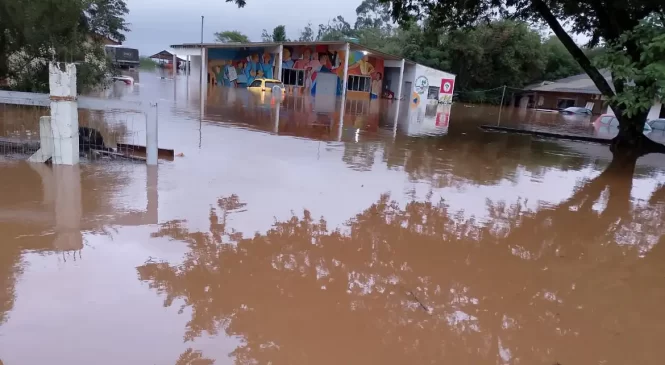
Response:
column 64, row 113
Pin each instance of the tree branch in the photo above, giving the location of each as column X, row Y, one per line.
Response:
column 575, row 51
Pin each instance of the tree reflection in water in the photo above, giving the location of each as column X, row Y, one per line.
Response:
column 580, row 282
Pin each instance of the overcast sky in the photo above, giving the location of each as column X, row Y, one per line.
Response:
column 156, row 24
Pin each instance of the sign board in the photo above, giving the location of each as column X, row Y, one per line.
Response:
column 447, row 86
column 421, row 84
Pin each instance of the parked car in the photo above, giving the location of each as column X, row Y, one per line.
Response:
column 657, row 124
column 261, row 85
column 607, row 126
column 575, row 110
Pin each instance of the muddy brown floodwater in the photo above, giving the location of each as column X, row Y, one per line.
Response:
column 279, row 238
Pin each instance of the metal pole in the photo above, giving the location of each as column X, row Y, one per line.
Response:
column 151, row 134
column 501, row 106
column 201, row 75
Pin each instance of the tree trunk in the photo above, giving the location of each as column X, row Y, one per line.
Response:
column 631, row 138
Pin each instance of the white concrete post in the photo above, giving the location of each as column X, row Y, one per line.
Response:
column 204, row 77
column 401, row 80
column 347, row 47
column 64, row 113
column 280, row 61
column 175, row 65
column 341, row 115
column 188, row 66
column 151, row 135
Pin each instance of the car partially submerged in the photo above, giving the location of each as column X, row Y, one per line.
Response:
column 607, row 125
column 574, row 110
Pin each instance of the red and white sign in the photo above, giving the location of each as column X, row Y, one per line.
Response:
column 447, row 86
column 442, row 119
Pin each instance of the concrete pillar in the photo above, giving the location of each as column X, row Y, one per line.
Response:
column 64, row 113
column 400, row 82
column 152, row 190
column 341, row 111
column 204, row 77
column 187, row 66
column 275, row 127
column 278, row 60
column 654, row 112
column 347, row 50
column 175, row 65
column 151, row 134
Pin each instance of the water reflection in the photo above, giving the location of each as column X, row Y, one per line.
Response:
column 423, row 284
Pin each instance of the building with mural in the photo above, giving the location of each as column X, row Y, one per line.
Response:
column 311, row 68
column 357, row 84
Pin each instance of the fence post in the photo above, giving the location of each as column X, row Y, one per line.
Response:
column 64, row 113
column 151, row 134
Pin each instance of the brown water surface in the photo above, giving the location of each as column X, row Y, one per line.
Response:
column 281, row 238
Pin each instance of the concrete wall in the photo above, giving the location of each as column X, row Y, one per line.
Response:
column 426, row 77
column 549, row 101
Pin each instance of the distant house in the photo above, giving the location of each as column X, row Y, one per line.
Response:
column 576, row 90
column 165, row 59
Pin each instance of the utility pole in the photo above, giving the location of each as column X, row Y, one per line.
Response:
column 503, row 95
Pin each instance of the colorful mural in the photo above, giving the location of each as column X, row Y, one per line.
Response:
column 234, row 67
column 364, row 65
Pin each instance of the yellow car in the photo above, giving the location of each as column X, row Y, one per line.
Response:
column 261, row 85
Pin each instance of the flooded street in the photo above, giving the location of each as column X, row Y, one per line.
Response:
column 280, row 236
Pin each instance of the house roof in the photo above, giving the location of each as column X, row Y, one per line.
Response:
column 166, row 55
column 578, row 84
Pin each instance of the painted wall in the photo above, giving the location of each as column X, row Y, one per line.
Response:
column 239, row 67
column 427, row 80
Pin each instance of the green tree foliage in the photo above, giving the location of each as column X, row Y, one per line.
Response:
column 607, row 21
column 279, row 34
column 643, row 81
column 306, row 34
column 33, row 32
column 231, row 36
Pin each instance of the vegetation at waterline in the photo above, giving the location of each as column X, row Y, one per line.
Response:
column 33, row 32
column 147, row 63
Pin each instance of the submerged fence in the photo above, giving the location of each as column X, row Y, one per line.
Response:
column 120, row 126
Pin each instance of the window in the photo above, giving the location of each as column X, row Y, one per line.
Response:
column 256, row 83
column 270, row 84
column 614, row 122
column 293, row 77
column 659, row 125
column 605, row 120
column 359, row 83
column 565, row 103
column 433, row 93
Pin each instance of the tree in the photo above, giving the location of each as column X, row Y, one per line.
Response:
column 307, row 34
column 558, row 61
column 265, row 36
column 279, row 34
column 34, row 31
column 602, row 20
column 336, row 29
column 231, row 36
